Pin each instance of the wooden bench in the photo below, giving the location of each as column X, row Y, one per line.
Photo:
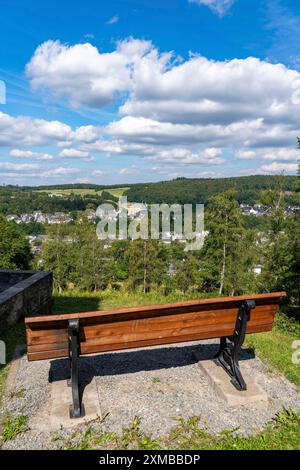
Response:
column 227, row 318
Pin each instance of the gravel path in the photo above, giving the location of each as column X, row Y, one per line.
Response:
column 157, row 385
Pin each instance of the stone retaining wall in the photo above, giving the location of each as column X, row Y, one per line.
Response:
column 24, row 293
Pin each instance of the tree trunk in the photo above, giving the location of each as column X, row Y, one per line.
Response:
column 145, row 271
column 223, row 269
column 224, row 259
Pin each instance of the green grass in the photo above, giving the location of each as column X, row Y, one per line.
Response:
column 282, row 433
column 117, row 192
column 156, row 380
column 75, row 301
column 275, row 347
column 68, row 192
column 13, row 336
column 13, row 426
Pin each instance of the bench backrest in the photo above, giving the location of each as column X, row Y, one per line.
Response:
column 112, row 330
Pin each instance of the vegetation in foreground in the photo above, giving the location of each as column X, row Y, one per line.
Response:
column 275, row 347
column 13, row 426
column 281, row 433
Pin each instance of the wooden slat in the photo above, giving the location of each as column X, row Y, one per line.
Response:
column 119, row 336
column 47, row 337
column 88, row 332
column 90, row 349
column 263, row 298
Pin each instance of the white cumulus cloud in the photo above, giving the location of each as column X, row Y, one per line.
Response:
column 75, row 153
column 81, row 73
column 279, row 167
column 113, row 20
column 220, row 7
column 24, row 130
column 30, row 155
column 193, row 111
column 18, row 166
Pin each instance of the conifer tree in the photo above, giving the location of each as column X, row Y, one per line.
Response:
column 226, row 258
column 276, row 252
column 146, row 264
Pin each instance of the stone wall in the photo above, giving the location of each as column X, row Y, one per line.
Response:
column 24, row 293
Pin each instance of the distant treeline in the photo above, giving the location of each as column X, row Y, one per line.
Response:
column 14, row 199
column 18, row 201
column 57, row 187
column 193, row 191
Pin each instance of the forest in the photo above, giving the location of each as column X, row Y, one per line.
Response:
column 17, row 200
column 193, row 191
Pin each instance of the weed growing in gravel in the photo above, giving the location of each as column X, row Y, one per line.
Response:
column 188, row 435
column 156, row 380
column 133, row 438
column 20, row 393
column 283, row 432
column 13, row 426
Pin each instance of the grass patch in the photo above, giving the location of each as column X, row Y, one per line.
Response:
column 13, row 336
column 117, row 192
column 69, row 192
column 282, row 433
column 77, row 301
column 275, row 347
column 13, row 426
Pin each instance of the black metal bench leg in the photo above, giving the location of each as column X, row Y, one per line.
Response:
column 77, row 409
column 228, row 354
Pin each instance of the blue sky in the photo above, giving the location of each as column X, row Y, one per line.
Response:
column 145, row 90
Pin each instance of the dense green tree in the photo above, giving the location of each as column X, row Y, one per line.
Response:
column 90, row 272
column 15, row 250
column 276, row 251
column 75, row 256
column 199, row 190
column 57, row 255
column 292, row 281
column 146, row 264
column 227, row 261
column 117, row 264
column 293, row 232
column 188, row 277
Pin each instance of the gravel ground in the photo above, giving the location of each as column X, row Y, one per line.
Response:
column 157, row 385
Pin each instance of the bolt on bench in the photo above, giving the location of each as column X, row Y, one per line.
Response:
column 227, row 318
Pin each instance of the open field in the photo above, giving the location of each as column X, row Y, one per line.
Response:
column 69, row 192
column 117, row 192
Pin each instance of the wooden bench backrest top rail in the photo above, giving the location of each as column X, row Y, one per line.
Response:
column 112, row 330
column 222, row 301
